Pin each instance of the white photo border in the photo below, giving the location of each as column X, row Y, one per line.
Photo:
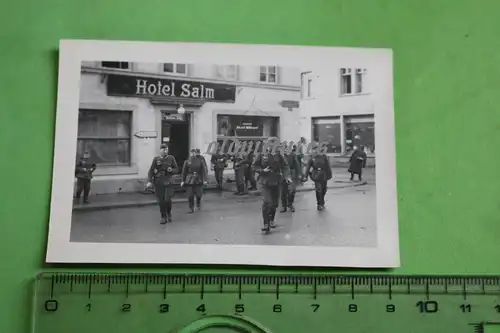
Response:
column 71, row 55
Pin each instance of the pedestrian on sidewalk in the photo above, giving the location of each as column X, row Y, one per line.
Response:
column 357, row 162
column 83, row 172
column 288, row 189
column 219, row 164
column 160, row 177
column 194, row 177
column 320, row 172
column 272, row 168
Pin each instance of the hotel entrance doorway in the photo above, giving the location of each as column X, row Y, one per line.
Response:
column 175, row 132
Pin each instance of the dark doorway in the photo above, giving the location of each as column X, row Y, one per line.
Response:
column 177, row 133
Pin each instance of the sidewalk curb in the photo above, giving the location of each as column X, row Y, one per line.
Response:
column 152, row 201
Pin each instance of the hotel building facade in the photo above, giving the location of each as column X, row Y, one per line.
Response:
column 127, row 110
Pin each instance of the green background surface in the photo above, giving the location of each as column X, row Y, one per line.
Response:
column 447, row 92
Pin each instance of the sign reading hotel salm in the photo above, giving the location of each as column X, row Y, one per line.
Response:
column 147, row 87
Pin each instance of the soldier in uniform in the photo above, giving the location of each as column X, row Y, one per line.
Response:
column 272, row 168
column 83, row 173
column 160, row 176
column 320, row 172
column 200, row 156
column 219, row 163
column 194, row 177
column 288, row 189
column 302, row 147
column 249, row 173
column 239, row 166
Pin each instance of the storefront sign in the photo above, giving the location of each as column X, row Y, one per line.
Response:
column 248, row 128
column 146, row 134
column 125, row 85
column 174, row 116
column 290, row 104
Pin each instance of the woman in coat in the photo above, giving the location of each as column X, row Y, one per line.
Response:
column 357, row 162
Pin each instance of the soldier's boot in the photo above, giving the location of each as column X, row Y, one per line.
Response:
column 76, row 200
column 238, row 189
column 318, row 201
column 163, row 213
column 290, row 202
column 191, row 205
column 169, row 211
column 272, row 215
column 198, row 204
column 265, row 217
column 284, row 202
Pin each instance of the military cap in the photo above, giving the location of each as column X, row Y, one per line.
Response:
column 193, row 150
column 163, row 146
column 197, row 150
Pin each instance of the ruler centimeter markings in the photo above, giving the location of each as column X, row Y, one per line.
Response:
column 145, row 280
column 419, row 298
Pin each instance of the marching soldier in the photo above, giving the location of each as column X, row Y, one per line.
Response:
column 272, row 168
column 194, row 176
column 320, row 172
column 160, row 176
column 288, row 189
column 239, row 166
column 200, row 156
column 83, row 173
column 219, row 163
column 249, row 173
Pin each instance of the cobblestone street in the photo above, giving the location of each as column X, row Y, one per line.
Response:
column 349, row 220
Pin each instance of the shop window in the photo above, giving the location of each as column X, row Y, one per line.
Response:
column 106, row 135
column 173, row 68
column 352, row 81
column 226, row 72
column 328, row 130
column 115, row 64
column 360, row 131
column 307, row 85
column 268, row 74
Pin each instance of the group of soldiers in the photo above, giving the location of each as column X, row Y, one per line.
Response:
column 279, row 173
column 194, row 176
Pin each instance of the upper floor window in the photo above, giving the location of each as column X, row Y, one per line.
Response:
column 115, row 64
column 306, row 85
column 180, row 69
column 269, row 74
column 227, row 72
column 352, row 81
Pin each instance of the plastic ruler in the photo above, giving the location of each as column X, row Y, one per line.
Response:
column 126, row 303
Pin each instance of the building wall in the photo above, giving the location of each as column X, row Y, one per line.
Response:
column 253, row 100
column 326, row 100
column 287, row 76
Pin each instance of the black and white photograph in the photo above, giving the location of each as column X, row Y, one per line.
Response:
column 191, row 153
